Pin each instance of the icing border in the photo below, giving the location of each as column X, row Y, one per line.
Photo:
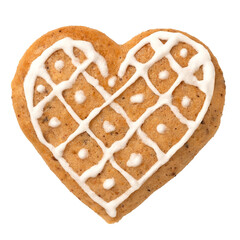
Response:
column 161, row 50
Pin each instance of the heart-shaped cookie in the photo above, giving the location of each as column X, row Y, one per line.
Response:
column 116, row 122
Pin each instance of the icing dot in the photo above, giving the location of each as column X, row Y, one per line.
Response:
column 54, row 122
column 183, row 52
column 161, row 128
column 112, row 81
column 138, row 98
column 59, row 65
column 41, row 88
column 163, row 75
column 186, row 101
column 108, row 127
column 108, row 183
column 135, row 160
column 80, row 97
column 83, row 153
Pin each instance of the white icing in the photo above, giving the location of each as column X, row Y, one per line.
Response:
column 108, row 127
column 80, row 97
column 112, row 81
column 138, row 98
column 163, row 75
column 54, row 122
column 40, row 88
column 161, row 128
column 83, row 153
column 59, row 65
column 161, row 50
column 186, row 101
column 135, row 160
column 109, row 183
column 183, row 52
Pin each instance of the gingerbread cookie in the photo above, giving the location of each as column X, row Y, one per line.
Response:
column 116, row 122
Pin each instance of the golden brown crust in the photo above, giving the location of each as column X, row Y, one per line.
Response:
column 114, row 55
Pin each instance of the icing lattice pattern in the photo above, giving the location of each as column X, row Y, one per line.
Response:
column 161, row 50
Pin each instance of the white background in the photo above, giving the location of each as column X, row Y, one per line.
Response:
column 202, row 202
